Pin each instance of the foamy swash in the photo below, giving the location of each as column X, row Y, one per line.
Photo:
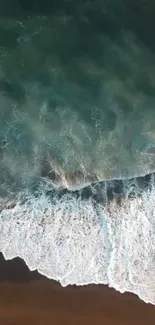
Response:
column 101, row 234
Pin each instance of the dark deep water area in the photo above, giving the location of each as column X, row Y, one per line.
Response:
column 77, row 161
column 77, row 91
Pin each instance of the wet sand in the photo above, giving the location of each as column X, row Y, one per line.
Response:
column 29, row 298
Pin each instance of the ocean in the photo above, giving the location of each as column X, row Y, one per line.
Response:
column 77, row 141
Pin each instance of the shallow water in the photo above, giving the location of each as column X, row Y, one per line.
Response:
column 77, row 125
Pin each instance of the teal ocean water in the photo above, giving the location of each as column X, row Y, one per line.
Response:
column 77, row 141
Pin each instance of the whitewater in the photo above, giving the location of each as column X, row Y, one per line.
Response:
column 72, row 238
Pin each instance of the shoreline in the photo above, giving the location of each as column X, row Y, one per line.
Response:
column 30, row 298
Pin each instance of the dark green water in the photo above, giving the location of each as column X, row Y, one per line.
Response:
column 77, row 87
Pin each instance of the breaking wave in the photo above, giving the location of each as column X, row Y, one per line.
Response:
column 104, row 233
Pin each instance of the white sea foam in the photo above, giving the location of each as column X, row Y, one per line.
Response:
column 76, row 242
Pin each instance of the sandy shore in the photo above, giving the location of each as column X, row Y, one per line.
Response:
column 29, row 298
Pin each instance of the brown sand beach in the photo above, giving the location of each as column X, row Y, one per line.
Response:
column 29, row 298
